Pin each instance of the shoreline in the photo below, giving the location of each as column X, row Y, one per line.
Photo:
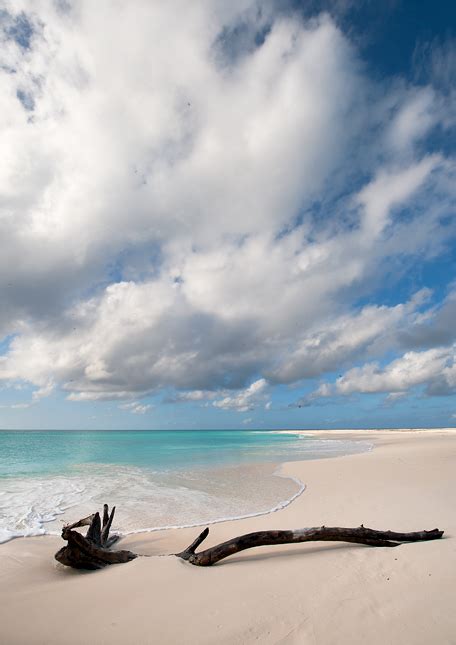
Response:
column 269, row 470
column 175, row 499
column 278, row 469
column 318, row 593
column 280, row 506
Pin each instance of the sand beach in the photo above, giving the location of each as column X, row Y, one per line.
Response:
column 316, row 593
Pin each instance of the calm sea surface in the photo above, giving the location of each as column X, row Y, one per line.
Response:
column 156, row 478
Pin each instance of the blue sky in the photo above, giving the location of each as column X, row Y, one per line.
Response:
column 241, row 216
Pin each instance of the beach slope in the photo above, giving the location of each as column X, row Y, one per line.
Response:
column 322, row 593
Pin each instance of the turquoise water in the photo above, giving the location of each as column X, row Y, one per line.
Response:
column 156, row 478
column 25, row 454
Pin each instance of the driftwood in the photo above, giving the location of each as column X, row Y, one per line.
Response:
column 92, row 551
column 359, row 535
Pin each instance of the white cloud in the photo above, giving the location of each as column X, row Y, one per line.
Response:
column 336, row 342
column 434, row 368
column 395, row 396
column 193, row 395
column 414, row 119
column 390, row 189
column 165, row 214
column 403, row 326
column 16, row 406
column 413, row 368
column 43, row 391
column 244, row 400
column 136, row 408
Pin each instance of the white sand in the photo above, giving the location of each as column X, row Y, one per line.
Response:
column 325, row 593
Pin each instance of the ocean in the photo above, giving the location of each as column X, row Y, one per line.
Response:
column 157, row 479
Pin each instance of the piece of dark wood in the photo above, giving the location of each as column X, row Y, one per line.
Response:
column 358, row 535
column 94, row 531
column 91, row 551
column 107, row 522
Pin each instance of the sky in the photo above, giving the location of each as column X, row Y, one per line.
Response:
column 227, row 214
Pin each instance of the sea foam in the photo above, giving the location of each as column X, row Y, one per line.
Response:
column 145, row 500
column 160, row 491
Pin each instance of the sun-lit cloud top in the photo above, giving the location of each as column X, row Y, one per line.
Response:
column 210, row 203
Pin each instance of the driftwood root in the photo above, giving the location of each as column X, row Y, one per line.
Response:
column 91, row 551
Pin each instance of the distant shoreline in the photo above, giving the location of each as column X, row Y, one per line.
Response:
column 253, row 429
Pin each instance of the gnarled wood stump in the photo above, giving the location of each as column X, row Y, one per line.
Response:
column 92, row 551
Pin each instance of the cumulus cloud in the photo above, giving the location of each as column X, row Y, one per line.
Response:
column 435, row 367
column 205, row 227
column 434, row 370
column 245, row 400
column 135, row 407
column 432, row 328
column 332, row 345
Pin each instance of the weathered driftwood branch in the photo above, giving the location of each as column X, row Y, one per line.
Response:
column 359, row 535
column 92, row 551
